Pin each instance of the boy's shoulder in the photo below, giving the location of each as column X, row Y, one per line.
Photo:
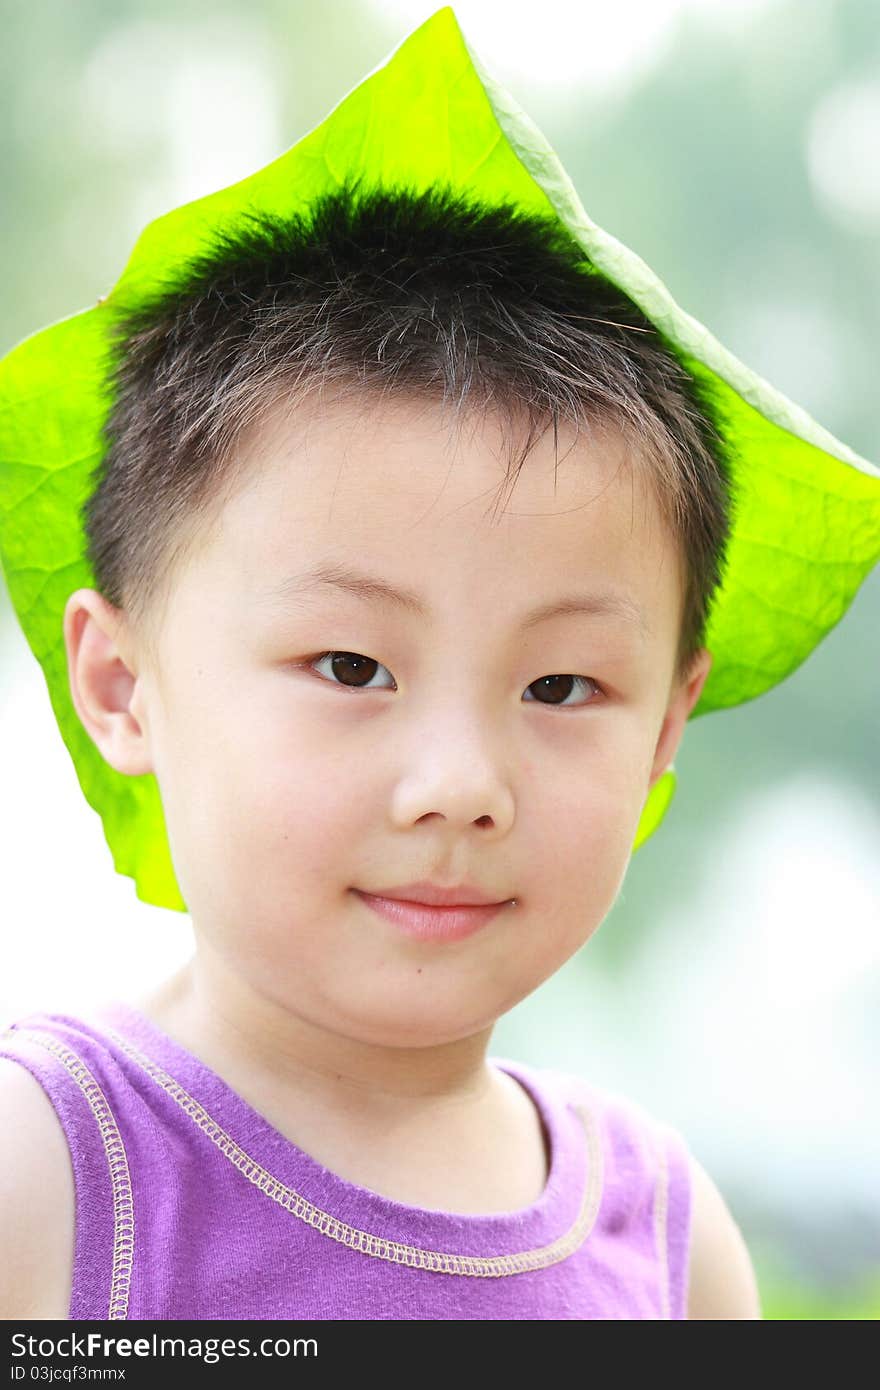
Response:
column 640, row 1156
column 621, row 1116
column 37, row 1200
column 721, row 1281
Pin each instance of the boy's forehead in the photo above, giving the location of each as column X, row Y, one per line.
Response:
column 398, row 492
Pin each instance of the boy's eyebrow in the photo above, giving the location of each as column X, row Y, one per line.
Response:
column 375, row 590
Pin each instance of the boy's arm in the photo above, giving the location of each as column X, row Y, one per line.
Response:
column 37, row 1201
column 722, row 1280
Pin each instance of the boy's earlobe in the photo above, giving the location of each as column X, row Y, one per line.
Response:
column 106, row 693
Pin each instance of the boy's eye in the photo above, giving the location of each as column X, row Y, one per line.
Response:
column 557, row 689
column 354, row 670
column 351, row 668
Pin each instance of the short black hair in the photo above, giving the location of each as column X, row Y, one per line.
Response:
column 427, row 292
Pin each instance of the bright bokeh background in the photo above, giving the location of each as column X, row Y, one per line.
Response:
column 735, row 145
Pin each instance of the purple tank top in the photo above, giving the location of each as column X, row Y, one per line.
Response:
column 189, row 1204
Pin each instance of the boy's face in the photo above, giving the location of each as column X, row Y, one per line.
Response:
column 285, row 789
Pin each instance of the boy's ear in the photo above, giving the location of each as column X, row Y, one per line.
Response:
column 684, row 697
column 104, row 682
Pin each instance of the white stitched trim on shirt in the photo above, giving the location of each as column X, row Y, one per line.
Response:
column 441, row 1262
column 114, row 1152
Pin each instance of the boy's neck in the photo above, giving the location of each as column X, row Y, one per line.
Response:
column 236, row 1032
column 453, row 1134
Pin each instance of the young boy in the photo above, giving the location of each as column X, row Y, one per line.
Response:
column 404, row 544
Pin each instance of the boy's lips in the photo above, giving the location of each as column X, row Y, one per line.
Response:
column 431, row 921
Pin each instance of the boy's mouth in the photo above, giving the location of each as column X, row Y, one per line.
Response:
column 432, row 921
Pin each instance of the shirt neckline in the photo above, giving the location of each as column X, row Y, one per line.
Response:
column 560, row 1206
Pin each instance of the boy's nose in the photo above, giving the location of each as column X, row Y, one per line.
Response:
column 458, row 784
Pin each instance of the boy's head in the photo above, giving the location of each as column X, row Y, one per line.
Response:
column 446, row 400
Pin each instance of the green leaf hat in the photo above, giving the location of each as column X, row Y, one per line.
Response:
column 808, row 526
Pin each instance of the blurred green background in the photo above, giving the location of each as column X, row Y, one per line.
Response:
column 735, row 145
